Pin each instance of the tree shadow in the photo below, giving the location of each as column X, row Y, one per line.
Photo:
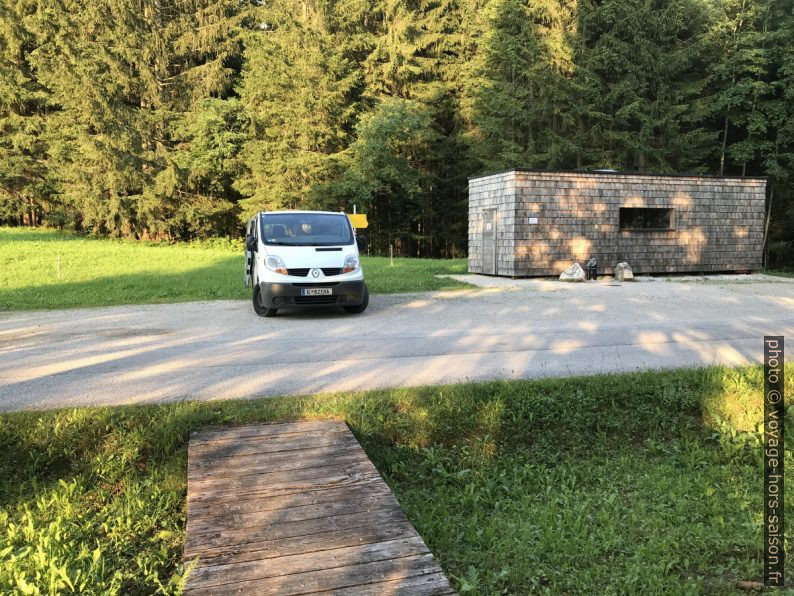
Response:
column 222, row 279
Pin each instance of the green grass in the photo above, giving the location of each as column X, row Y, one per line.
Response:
column 637, row 483
column 101, row 272
column 779, row 273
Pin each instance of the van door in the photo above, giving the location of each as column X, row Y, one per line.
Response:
column 250, row 230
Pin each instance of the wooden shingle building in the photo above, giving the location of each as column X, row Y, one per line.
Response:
column 534, row 223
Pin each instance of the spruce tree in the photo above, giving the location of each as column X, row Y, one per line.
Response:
column 639, row 66
column 25, row 189
column 737, row 78
column 778, row 158
column 517, row 97
column 300, row 85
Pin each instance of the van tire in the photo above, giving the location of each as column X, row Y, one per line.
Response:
column 260, row 308
column 359, row 308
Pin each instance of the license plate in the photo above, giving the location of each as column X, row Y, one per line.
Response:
column 316, row 291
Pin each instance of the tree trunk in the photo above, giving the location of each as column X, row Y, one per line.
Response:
column 766, row 226
column 724, row 145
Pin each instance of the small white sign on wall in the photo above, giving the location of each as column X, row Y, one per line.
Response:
column 533, row 220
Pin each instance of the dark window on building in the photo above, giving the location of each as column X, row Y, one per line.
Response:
column 646, row 218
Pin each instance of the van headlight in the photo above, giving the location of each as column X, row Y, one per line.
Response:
column 351, row 264
column 275, row 263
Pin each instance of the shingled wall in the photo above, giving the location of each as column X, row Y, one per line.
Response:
column 718, row 222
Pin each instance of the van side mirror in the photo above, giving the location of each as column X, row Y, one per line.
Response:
column 361, row 241
column 250, row 244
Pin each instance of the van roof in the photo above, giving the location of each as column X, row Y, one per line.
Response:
column 301, row 211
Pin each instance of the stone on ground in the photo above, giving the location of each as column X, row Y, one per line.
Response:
column 573, row 273
column 623, row 272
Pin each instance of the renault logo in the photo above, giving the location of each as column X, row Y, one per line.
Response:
column 315, row 273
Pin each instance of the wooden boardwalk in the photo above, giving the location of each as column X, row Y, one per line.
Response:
column 297, row 508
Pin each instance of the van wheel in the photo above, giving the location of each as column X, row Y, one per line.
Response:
column 359, row 308
column 260, row 308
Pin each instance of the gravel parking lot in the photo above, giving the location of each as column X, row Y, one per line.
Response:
column 505, row 330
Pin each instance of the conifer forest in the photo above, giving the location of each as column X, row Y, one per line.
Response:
column 178, row 119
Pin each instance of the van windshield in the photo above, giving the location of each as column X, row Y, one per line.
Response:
column 306, row 229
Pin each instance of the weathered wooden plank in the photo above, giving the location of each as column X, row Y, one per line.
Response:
column 292, row 514
column 241, row 484
column 284, row 488
column 237, row 447
column 215, row 575
column 329, row 579
column 373, row 486
column 284, row 460
column 433, row 584
column 284, row 438
column 236, row 471
column 265, row 430
column 251, row 551
column 297, row 508
column 194, row 542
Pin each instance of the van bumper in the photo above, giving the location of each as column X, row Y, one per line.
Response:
column 288, row 295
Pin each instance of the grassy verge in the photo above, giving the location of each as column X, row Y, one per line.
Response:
column 636, row 483
column 780, row 273
column 101, row 272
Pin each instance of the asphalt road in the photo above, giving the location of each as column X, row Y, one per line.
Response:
column 218, row 350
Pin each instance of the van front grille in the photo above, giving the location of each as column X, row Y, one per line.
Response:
column 327, row 271
column 322, row 284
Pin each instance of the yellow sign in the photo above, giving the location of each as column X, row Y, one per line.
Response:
column 359, row 220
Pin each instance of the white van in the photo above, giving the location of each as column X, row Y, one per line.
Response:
column 298, row 259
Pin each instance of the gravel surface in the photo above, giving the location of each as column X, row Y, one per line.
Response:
column 510, row 329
